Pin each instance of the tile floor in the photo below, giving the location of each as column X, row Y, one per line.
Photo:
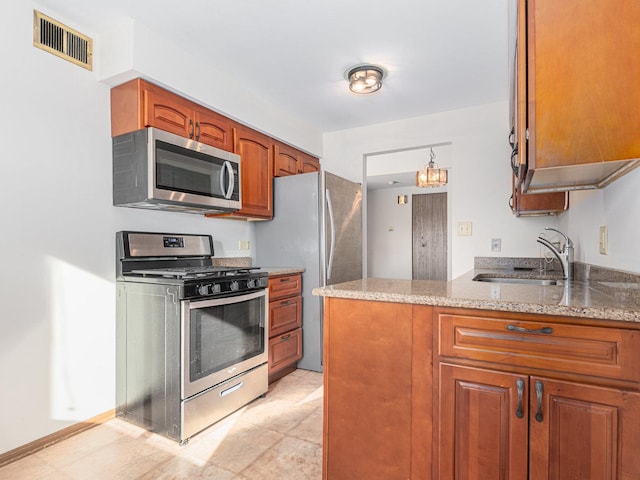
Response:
column 276, row 437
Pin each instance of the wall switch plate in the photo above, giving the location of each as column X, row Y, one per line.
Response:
column 604, row 240
column 464, row 229
column 243, row 244
column 496, row 244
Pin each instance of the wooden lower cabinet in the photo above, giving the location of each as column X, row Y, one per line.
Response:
column 481, row 434
column 506, row 421
column 285, row 324
column 377, row 391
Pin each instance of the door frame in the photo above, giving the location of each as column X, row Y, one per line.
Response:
column 449, row 188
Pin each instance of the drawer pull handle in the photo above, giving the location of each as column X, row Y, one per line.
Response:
column 285, row 337
column 520, row 388
column 285, row 279
column 539, row 389
column 543, row 330
column 285, row 302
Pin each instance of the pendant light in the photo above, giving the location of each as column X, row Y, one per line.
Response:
column 431, row 175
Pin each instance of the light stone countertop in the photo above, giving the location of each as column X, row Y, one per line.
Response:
column 275, row 271
column 593, row 299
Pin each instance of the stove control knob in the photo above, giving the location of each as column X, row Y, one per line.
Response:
column 203, row 289
column 215, row 288
column 234, row 286
column 251, row 283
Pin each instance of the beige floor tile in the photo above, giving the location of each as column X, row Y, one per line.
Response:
column 276, row 437
column 31, row 468
column 290, row 459
column 310, row 429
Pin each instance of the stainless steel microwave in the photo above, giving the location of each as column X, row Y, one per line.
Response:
column 162, row 171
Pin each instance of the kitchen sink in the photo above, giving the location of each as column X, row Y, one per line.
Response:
column 495, row 278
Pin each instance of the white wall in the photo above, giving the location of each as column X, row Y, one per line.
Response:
column 616, row 206
column 479, row 181
column 57, row 364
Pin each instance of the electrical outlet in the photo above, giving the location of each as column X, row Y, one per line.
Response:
column 496, row 244
column 464, row 229
column 604, row 240
column 243, row 244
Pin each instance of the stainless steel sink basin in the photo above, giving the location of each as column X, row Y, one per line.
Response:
column 493, row 278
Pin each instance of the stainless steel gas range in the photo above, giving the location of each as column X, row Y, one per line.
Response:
column 191, row 338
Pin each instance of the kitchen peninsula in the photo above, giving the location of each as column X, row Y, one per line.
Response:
column 470, row 379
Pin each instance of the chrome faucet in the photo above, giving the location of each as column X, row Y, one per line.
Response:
column 563, row 254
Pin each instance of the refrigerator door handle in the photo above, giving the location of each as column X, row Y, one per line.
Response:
column 333, row 234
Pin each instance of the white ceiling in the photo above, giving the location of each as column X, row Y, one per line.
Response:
column 439, row 54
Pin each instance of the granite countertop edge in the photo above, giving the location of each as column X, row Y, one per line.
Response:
column 572, row 299
column 276, row 271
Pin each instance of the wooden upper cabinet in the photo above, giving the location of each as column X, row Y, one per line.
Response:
column 139, row 104
column 291, row 161
column 308, row 164
column 286, row 160
column 535, row 204
column 256, row 156
column 583, row 100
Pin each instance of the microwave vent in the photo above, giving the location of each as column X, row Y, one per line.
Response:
column 64, row 42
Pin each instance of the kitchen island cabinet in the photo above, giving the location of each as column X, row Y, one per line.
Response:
column 506, row 381
column 530, row 397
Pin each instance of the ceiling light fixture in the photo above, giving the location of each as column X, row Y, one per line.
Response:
column 431, row 175
column 365, row 79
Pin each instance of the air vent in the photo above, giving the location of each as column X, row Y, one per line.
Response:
column 64, row 42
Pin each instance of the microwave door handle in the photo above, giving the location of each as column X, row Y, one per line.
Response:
column 230, row 179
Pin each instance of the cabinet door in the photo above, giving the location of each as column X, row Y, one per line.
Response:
column 308, row 164
column 285, row 286
column 256, row 154
column 166, row 111
column 583, row 432
column 284, row 350
column 285, row 315
column 483, row 424
column 525, row 204
column 286, row 160
column 583, row 96
column 213, row 129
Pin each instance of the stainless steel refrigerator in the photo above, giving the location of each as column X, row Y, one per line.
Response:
column 317, row 225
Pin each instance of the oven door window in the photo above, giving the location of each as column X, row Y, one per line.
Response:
column 224, row 335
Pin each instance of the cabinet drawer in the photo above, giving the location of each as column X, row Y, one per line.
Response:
column 285, row 286
column 284, row 350
column 285, row 315
column 599, row 351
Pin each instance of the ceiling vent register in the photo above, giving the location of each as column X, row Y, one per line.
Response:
column 56, row 38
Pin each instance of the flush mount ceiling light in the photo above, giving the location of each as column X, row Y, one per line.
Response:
column 365, row 79
column 431, row 175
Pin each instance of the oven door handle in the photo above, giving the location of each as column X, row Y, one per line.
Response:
column 225, row 300
column 230, row 390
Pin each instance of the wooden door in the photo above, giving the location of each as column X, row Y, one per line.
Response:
column 256, row 154
column 583, row 432
column 429, row 230
column 308, row 164
column 483, row 425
